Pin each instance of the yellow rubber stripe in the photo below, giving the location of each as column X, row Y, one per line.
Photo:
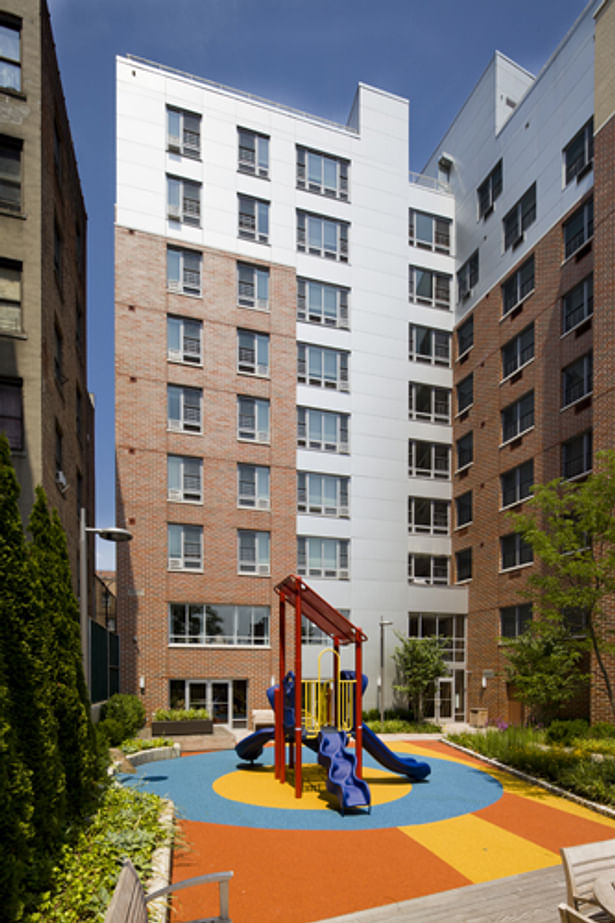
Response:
column 479, row 850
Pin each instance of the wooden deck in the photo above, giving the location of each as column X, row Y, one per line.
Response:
column 529, row 898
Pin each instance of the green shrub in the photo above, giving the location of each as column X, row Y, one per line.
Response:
column 564, row 732
column 180, row 714
column 400, row 726
column 111, row 731
column 136, row 744
column 127, row 710
column 602, row 730
column 604, row 746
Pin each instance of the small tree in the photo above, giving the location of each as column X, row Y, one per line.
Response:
column 571, row 529
column 419, row 663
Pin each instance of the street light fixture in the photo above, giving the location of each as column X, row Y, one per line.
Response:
column 110, row 534
column 383, row 624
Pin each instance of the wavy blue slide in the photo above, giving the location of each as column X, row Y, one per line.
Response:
column 340, row 764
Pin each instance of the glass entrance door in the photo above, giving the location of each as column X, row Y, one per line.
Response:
column 444, row 699
column 220, row 701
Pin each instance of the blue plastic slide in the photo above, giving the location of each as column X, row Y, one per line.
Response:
column 340, row 764
column 404, row 765
column 251, row 747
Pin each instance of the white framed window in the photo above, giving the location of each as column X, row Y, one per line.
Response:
column 426, row 344
column 322, row 173
column 514, row 620
column 10, row 52
column 429, row 288
column 184, row 201
column 520, row 217
column 10, row 173
column 577, row 379
column 465, row 336
column 322, row 303
column 428, row 569
column 463, row 565
column 516, row 484
column 253, row 552
column 10, row 296
column 426, row 402
column 323, row 557
column 183, row 132
column 253, row 154
column 514, row 551
column 429, row 232
column 518, row 286
column 465, row 393
column 253, row 286
column 183, row 271
column 463, row 509
column 253, row 419
column 489, row 190
column 518, row 351
column 518, row 417
column 184, row 409
column 322, row 236
column 185, row 547
column 579, row 153
column 465, row 450
column 252, row 352
column 253, row 218
column 467, row 277
column 577, row 456
column 324, row 430
column 428, row 459
column 184, row 479
column 184, row 340
column 200, row 623
column 579, row 228
column 253, row 490
column 322, row 494
column 578, row 304
column 428, row 516
column 323, row 367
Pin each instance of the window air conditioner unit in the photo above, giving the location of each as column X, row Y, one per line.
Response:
column 262, row 570
column 175, row 493
column 262, row 504
column 61, row 481
column 175, row 564
column 343, row 575
column 174, row 212
column 174, row 426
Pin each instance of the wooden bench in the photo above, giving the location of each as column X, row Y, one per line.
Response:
column 129, row 901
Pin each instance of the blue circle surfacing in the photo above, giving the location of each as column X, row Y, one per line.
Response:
column 452, row 789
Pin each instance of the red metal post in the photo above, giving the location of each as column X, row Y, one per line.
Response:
column 358, row 660
column 280, row 754
column 298, row 729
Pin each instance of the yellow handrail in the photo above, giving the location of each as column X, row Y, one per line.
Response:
column 317, row 699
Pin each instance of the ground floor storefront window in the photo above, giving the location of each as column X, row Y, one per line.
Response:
column 226, row 700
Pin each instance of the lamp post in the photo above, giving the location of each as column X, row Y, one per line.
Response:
column 110, row 534
column 383, row 624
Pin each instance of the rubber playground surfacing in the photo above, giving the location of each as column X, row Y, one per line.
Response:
column 300, row 860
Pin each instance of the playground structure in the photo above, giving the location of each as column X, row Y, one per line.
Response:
column 320, row 713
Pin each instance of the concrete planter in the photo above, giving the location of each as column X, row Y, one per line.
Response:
column 176, row 728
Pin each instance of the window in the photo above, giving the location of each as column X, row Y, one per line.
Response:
column 463, row 509
column 321, row 303
column 429, row 288
column 489, row 190
column 516, row 484
column 185, row 547
column 184, row 201
column 578, row 304
column 58, row 356
column 323, row 557
column 323, row 494
column 518, row 417
column 253, row 487
column 207, row 624
column 515, row 619
column 322, row 173
column 520, row 217
column 518, row 351
column 463, row 564
column 322, row 236
column 425, row 344
column 10, row 296
column 465, row 393
column 58, row 252
column 310, row 634
column 184, row 340
column 183, row 271
column 252, row 352
column 577, row 379
column 465, row 450
column 11, row 412
column 465, row 336
column 428, row 459
column 59, row 456
column 184, row 409
column 426, row 402
column 252, row 286
column 514, row 551
column 579, row 153
column 322, row 429
column 184, row 479
column 253, row 552
column 428, row 516
column 429, row 231
column 576, row 620
column 427, row 568
column 577, row 457
column 184, row 132
column 467, row 276
column 10, row 174
column 79, row 332
column 579, row 228
column 253, row 419
column 253, row 152
column 327, row 368
column 518, row 286
column 10, row 52
column 253, row 219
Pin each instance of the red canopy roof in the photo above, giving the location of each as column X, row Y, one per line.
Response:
column 318, row 611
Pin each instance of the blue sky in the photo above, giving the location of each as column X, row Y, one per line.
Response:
column 307, row 55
